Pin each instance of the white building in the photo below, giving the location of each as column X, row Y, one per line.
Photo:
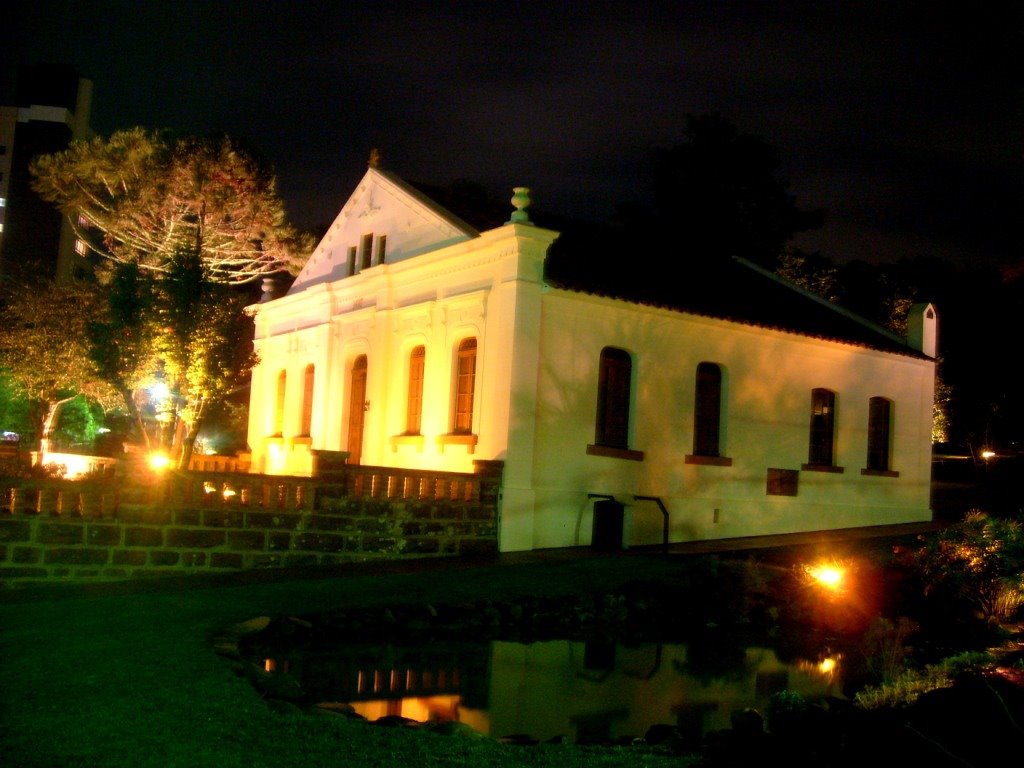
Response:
column 410, row 339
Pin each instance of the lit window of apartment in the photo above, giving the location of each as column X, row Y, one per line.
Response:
column 81, row 248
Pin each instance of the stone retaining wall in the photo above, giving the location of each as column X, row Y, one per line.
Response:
column 192, row 522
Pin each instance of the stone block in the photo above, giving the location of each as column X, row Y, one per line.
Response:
column 328, row 523
column 322, row 542
column 26, row 554
column 226, row 560
column 422, row 545
column 14, row 572
column 163, row 557
column 472, row 512
column 478, row 547
column 128, row 557
column 293, row 561
column 194, row 538
column 127, row 513
column 388, row 544
column 247, row 540
column 109, row 535
column 187, row 516
column 266, row 561
column 280, row 520
column 279, row 542
column 60, row 533
column 143, row 537
column 15, row 530
column 223, row 518
column 420, row 511
column 193, row 559
column 77, row 556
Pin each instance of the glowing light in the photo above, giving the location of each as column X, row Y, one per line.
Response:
column 159, row 461
column 828, row 575
column 159, row 390
column 827, row 666
column 987, row 454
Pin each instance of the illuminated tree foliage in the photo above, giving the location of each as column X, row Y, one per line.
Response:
column 42, row 354
column 978, row 563
column 122, row 338
column 147, row 193
column 203, row 343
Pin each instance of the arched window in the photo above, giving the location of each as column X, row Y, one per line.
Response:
column 282, row 381
column 879, row 431
column 307, row 401
column 613, row 395
column 707, row 410
column 465, row 383
column 414, row 402
column 823, row 423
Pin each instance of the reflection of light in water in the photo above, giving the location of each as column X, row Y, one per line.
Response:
column 826, row 668
column 425, row 709
column 538, row 689
column 271, row 665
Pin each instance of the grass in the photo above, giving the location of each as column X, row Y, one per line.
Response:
column 125, row 675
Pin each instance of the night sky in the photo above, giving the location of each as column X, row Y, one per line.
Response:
column 901, row 120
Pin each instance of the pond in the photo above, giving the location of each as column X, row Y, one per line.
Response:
column 592, row 668
column 577, row 691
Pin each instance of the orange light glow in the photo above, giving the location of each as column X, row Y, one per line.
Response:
column 159, row 461
column 829, row 575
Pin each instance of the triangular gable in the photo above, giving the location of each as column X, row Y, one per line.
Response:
column 382, row 204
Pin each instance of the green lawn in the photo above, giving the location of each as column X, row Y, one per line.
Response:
column 126, row 675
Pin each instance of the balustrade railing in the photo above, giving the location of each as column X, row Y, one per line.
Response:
column 102, row 497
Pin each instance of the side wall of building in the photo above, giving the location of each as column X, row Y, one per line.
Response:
column 767, row 379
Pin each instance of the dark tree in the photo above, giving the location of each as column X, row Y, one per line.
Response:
column 719, row 194
column 716, row 195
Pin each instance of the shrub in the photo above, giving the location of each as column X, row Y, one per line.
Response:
column 904, row 689
column 978, row 562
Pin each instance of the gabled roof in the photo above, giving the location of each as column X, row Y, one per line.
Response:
column 588, row 259
column 730, row 289
column 382, row 204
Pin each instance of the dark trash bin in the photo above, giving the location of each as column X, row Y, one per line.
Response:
column 609, row 522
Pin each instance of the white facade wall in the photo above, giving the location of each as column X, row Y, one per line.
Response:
column 766, row 402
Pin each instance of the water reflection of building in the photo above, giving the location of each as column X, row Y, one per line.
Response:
column 422, row 683
column 584, row 692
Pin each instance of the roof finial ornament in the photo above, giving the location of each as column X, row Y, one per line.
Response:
column 374, row 158
column 521, row 201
